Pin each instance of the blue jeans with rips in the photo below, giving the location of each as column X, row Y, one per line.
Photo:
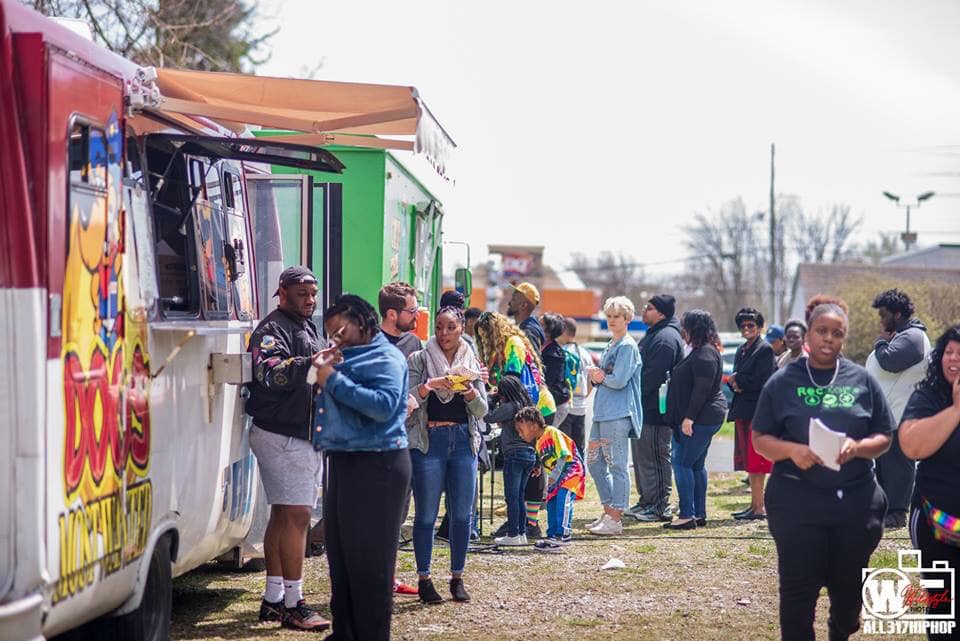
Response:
column 689, row 473
column 448, row 466
column 517, row 465
column 607, row 461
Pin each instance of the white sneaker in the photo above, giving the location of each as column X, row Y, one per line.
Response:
column 520, row 539
column 608, row 527
column 594, row 523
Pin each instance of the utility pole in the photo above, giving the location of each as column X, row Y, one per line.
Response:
column 774, row 308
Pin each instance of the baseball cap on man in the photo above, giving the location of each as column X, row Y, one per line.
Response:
column 774, row 332
column 295, row 275
column 529, row 292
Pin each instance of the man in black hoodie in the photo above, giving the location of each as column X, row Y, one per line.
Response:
column 660, row 349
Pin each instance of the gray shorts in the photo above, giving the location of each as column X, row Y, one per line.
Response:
column 289, row 468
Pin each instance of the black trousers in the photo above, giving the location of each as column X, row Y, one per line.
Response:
column 933, row 550
column 573, row 426
column 896, row 473
column 362, row 508
column 823, row 538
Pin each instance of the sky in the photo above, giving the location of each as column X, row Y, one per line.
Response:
column 603, row 126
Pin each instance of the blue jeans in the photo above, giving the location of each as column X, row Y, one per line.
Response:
column 607, row 461
column 560, row 514
column 689, row 455
column 448, row 466
column 517, row 465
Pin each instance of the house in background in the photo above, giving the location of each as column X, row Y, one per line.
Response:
column 942, row 256
column 831, row 278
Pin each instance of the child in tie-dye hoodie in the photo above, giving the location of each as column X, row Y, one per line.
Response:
column 565, row 476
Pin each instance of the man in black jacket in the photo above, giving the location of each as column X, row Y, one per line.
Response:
column 660, row 349
column 283, row 347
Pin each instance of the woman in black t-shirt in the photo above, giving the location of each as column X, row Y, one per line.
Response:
column 930, row 432
column 825, row 523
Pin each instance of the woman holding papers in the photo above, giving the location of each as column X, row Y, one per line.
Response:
column 930, row 433
column 825, row 523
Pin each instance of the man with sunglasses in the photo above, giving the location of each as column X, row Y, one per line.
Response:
column 398, row 314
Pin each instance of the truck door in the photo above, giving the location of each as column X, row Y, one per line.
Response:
column 297, row 221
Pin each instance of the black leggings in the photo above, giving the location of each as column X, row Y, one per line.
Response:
column 823, row 538
column 933, row 550
column 362, row 508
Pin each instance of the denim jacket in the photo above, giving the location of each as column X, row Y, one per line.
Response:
column 417, row 423
column 618, row 396
column 364, row 403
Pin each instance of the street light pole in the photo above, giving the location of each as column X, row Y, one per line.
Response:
column 909, row 238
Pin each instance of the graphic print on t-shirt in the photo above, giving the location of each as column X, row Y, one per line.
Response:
column 830, row 397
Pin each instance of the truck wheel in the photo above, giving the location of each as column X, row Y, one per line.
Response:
column 151, row 621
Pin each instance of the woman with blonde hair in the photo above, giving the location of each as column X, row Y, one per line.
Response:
column 617, row 416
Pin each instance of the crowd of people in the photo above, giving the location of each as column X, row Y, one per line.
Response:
column 396, row 418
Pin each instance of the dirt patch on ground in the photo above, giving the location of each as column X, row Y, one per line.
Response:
column 715, row 583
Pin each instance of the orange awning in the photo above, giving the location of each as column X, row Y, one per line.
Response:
column 317, row 112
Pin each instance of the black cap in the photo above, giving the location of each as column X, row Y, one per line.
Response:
column 665, row 304
column 295, row 275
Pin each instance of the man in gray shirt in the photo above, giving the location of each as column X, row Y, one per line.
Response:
column 898, row 362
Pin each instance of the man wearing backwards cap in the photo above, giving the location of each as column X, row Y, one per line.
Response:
column 524, row 300
column 775, row 336
column 283, row 347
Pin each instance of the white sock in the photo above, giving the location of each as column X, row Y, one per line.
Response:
column 274, row 589
column 292, row 592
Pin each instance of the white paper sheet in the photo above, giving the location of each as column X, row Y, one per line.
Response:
column 826, row 443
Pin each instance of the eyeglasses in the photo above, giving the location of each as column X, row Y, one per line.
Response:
column 647, row 307
column 409, row 310
column 748, row 325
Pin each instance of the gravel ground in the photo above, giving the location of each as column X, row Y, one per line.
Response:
column 715, row 583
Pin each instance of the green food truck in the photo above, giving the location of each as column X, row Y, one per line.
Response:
column 374, row 223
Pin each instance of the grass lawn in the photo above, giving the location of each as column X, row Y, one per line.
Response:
column 714, row 583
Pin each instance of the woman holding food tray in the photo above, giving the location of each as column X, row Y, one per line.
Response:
column 448, row 382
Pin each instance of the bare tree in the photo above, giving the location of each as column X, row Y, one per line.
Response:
column 727, row 261
column 213, row 35
column 874, row 251
column 614, row 275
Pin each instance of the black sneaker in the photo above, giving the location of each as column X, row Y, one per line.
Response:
column 458, row 592
column 895, row 520
column 501, row 531
column 534, row 532
column 551, row 546
column 303, row 617
column 271, row 611
column 427, row 593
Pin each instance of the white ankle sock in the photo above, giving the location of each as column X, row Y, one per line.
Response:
column 292, row 592
column 274, row 589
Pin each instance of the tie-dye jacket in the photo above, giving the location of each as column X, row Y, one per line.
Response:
column 561, row 461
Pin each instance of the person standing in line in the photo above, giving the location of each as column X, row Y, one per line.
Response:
column 661, row 349
column 825, row 523
column 398, row 312
column 520, row 307
column 776, row 337
column 282, row 348
column 554, row 363
column 359, row 423
column 752, row 367
column 398, row 307
column 444, row 441
column 519, row 457
column 696, row 408
column 470, row 318
column 930, row 433
column 794, row 333
column 898, row 361
column 506, row 349
column 574, row 425
column 617, row 416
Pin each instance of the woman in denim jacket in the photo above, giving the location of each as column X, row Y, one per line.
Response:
column 447, row 381
column 617, row 417
column 359, row 423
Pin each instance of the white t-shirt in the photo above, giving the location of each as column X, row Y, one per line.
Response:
column 578, row 400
